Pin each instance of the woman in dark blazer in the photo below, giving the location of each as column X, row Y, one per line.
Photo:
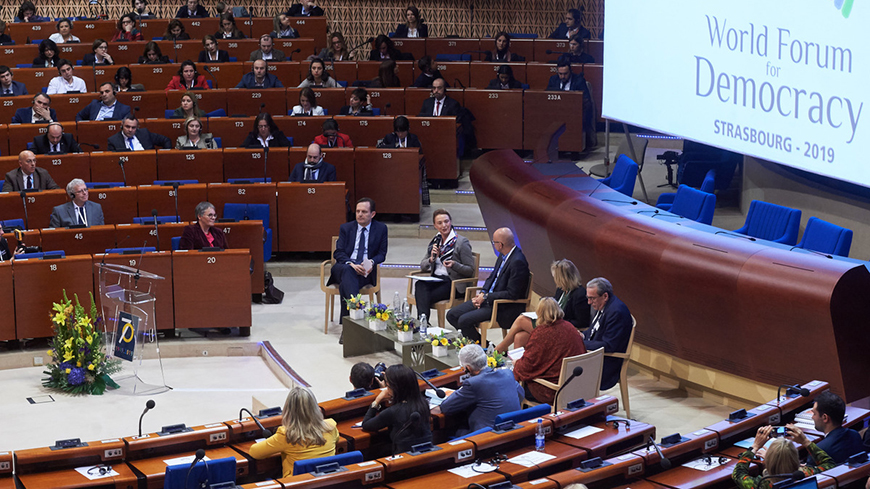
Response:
column 265, row 133
column 414, row 27
column 203, row 233
column 502, row 52
column 448, row 258
column 99, row 54
column 406, row 399
column 504, row 79
column 49, row 55
column 571, row 297
column 384, row 49
column 211, row 53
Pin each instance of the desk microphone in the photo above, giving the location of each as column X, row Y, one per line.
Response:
column 735, row 235
column 266, row 162
column 665, row 463
column 23, row 195
column 290, row 56
column 812, row 251
column 103, row 262
column 95, row 146
column 439, row 392
column 654, row 211
column 208, row 70
column 415, row 418
column 200, row 454
column 148, row 406
column 156, row 229
column 578, row 371
column 263, row 431
column 616, row 420
column 792, row 390
column 600, row 183
column 367, row 41
column 387, row 106
column 123, row 171
column 631, row 202
column 175, row 186
column 456, row 80
column 262, row 106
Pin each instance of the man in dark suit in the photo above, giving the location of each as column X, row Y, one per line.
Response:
column 9, row 87
column 439, row 104
column 485, row 394
column 79, row 211
column 571, row 26
column 191, row 9
column 28, row 175
column 40, row 111
column 266, row 50
column 361, row 247
column 107, row 108
column 259, row 77
column 839, row 443
column 400, row 137
column 610, row 327
column 55, row 141
column 131, row 138
column 508, row 280
column 566, row 81
column 313, row 169
column 305, row 9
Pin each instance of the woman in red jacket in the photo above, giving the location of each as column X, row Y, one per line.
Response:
column 203, row 233
column 187, row 78
column 331, row 138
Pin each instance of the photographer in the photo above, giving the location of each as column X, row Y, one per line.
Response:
column 364, row 376
column 781, row 457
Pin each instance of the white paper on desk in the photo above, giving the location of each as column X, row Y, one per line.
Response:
column 702, row 465
column 466, row 471
column 531, row 458
column 516, row 353
column 95, row 473
column 435, row 331
column 425, row 278
column 583, row 432
column 531, row 315
column 434, row 400
column 183, row 460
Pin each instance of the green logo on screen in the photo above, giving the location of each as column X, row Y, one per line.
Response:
column 844, row 6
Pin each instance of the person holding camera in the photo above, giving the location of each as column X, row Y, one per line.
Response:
column 364, row 376
column 780, row 457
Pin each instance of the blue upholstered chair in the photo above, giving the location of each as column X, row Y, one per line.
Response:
column 666, row 199
column 248, row 180
column 10, row 224
column 623, row 177
column 523, row 414
column 216, row 113
column 41, row 255
column 93, row 185
column 694, row 204
column 772, row 222
column 522, row 35
column 180, row 182
column 175, row 243
column 149, row 220
column 697, row 159
column 253, row 212
column 452, row 57
column 311, row 464
column 220, row 471
column 825, row 237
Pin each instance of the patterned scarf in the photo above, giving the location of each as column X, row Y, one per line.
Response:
column 447, row 248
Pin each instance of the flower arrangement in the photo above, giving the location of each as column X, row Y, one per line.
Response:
column 495, row 359
column 379, row 312
column 460, row 342
column 355, row 303
column 440, row 340
column 78, row 358
column 406, row 324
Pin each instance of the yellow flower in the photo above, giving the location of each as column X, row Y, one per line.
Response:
column 68, row 356
column 444, row 341
column 78, row 364
column 490, row 362
column 91, row 367
column 50, row 353
column 435, row 342
column 89, row 338
column 379, row 316
column 67, row 370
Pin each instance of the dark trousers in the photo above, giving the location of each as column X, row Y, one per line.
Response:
column 428, row 293
column 465, row 317
column 349, row 282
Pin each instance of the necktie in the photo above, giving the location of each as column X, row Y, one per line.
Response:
column 8, row 91
column 437, row 107
column 29, row 181
column 361, row 249
column 56, row 148
column 596, row 322
column 130, row 143
column 497, row 273
column 81, row 214
column 563, row 85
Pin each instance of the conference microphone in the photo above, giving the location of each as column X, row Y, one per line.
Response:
column 262, row 106
column 103, row 262
column 616, row 420
column 654, row 211
column 812, row 251
column 95, row 146
column 665, row 463
column 156, row 229
column 290, row 56
column 578, row 371
column 263, row 431
column 456, row 80
column 23, row 195
column 367, row 41
column 630, row 202
column 200, row 454
column 208, row 70
column 148, row 406
column 792, row 391
column 439, row 392
column 123, row 171
column 415, row 418
column 175, row 186
column 735, row 235
column 387, row 106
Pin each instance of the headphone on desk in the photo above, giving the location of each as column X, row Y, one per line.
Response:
column 100, row 470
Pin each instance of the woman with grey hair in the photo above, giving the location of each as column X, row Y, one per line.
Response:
column 203, row 233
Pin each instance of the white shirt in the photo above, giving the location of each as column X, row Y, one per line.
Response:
column 58, row 39
column 137, row 146
column 266, row 55
column 106, row 111
column 412, row 33
column 59, row 85
column 83, row 215
column 439, row 104
column 297, row 110
column 264, row 142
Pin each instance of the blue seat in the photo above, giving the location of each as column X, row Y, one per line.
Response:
column 180, row 182
column 452, row 57
column 36, row 41
column 522, row 35
column 158, row 38
column 218, row 141
column 41, row 255
column 253, row 212
column 27, row 65
column 325, row 111
column 209, row 84
column 11, row 223
column 375, row 111
column 482, row 430
column 248, row 180
column 175, row 243
column 391, row 34
column 524, row 414
column 825, row 237
column 216, row 113
column 167, row 114
column 666, row 199
column 342, row 459
column 623, row 177
column 233, row 59
column 526, row 86
column 694, row 204
column 697, row 159
column 150, row 220
column 220, row 471
column 772, row 222
column 125, row 251
column 30, row 145
column 342, row 84
column 104, row 184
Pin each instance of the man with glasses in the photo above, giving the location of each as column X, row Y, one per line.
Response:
column 28, row 176
column 610, row 327
column 66, row 82
column 509, row 280
column 79, row 211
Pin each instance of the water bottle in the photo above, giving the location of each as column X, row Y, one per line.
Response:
column 397, row 303
column 539, row 436
column 406, row 309
column 424, row 324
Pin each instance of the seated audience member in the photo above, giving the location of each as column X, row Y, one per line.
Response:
column 152, row 55
column 99, row 54
column 400, row 137
column 318, row 77
column 187, row 78
column 552, row 340
column 315, row 170
column 439, row 104
column 228, row 28
column 49, row 55
column 189, row 107
column 428, row 74
column 64, row 33
column 483, row 395
column 191, row 9
column 502, row 53
column 5, row 252
column 282, row 28
column 132, row 138
column 362, row 376
column 259, row 77
column 211, row 53
column 504, row 79
column 571, row 27
column 107, row 108
column 8, row 86
column 27, row 13
column 28, row 176
column 571, row 297
column 610, row 327
column 388, row 75
column 361, row 247
column 839, row 443
column 203, row 233
column 124, row 81
column 175, row 31
column 448, row 258
column 266, row 134
column 566, row 81
column 508, row 280
column 306, row 8
column 79, row 211
column 337, row 50
column 331, row 138
column 575, row 54
column 780, row 457
column 267, row 51
column 66, row 81
column 4, row 38
column 40, row 111
column 403, row 391
column 140, row 9
column 303, row 433
column 193, row 137
column 55, row 141
column 384, row 49
column 307, row 104
column 127, row 29
column 359, row 104
column 414, row 26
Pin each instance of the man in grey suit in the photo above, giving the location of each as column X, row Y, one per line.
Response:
column 266, row 52
column 28, row 176
column 79, row 211
column 485, row 394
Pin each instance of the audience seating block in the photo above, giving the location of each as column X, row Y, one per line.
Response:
column 380, row 97
column 248, row 235
column 366, row 131
column 331, row 99
column 302, row 129
column 226, row 75
column 368, row 70
column 341, row 70
column 162, row 198
column 251, row 163
column 207, row 100
column 303, row 44
column 146, row 234
column 243, row 102
column 253, row 193
column 18, row 135
column 498, row 123
column 481, row 74
column 96, row 132
column 438, row 139
column 442, row 45
column 232, row 130
column 414, row 47
column 64, row 168
column 79, row 241
column 205, row 165
column 289, row 72
column 455, row 73
column 39, row 206
column 7, row 111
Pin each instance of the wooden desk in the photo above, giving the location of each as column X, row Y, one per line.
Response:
column 702, row 441
column 455, row 73
column 366, row 131
column 680, row 477
column 325, row 200
column 45, row 459
column 155, row 77
column 198, row 28
column 480, row 74
column 68, row 105
column 162, row 198
column 153, row 445
column 21, row 53
column 845, row 474
column 244, row 102
column 145, row 235
column 64, row 168
column 303, row 44
column 250, row 193
column 542, row 45
column 248, row 235
column 228, row 302
column 490, row 442
column 538, row 484
column 226, row 75
column 331, row 99
column 449, row 455
column 595, row 407
column 496, row 112
column 343, row 70
column 567, row 457
column 86, row 241
column 140, row 167
column 21, row 134
column 97, row 132
column 361, row 440
column 153, row 470
column 356, row 475
column 303, row 129
column 151, row 104
column 789, row 406
column 437, row 45
column 523, row 47
column 7, row 110
column 730, row 432
column 368, row 70
column 251, row 163
column 207, row 100
column 72, row 479
column 389, row 176
column 39, row 206
column 288, row 72
column 231, row 130
column 543, row 109
column 416, row 47
column 311, row 28
column 438, row 138
column 7, row 310
column 158, row 263
column 340, row 408
column 380, row 97
column 205, row 165
column 618, row 468
column 446, row 480
column 40, row 283
column 152, row 28
column 611, row 441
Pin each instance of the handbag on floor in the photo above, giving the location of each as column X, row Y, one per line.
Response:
column 271, row 294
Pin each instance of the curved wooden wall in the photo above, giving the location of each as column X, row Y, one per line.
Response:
column 761, row 313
